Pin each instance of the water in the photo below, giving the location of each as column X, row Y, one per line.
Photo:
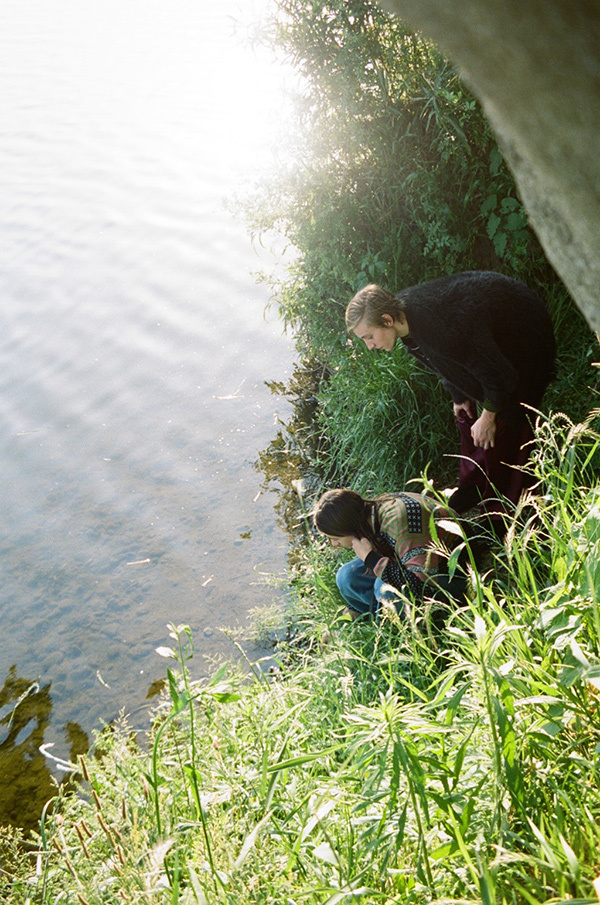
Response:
column 134, row 351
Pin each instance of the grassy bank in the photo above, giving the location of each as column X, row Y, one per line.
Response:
column 381, row 763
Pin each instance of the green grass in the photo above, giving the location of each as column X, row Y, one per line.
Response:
column 386, row 420
column 382, row 762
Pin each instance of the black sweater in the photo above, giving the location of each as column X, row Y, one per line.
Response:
column 488, row 336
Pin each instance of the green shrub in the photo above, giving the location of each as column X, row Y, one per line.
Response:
column 394, row 176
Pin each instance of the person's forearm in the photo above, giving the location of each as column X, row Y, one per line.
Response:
column 376, row 562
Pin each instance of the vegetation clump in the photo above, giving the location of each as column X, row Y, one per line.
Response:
column 386, row 762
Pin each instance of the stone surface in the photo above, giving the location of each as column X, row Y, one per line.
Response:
column 535, row 67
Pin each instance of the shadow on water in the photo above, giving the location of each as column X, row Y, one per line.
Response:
column 27, row 776
column 27, row 780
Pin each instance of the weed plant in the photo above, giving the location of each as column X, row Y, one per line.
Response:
column 383, row 762
column 385, row 420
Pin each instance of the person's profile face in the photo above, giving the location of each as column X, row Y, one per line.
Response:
column 344, row 542
column 381, row 337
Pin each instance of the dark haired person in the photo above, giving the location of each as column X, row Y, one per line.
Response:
column 491, row 340
column 399, row 542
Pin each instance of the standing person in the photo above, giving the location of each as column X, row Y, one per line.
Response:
column 491, row 340
column 397, row 558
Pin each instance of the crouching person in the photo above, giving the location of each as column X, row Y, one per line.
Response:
column 397, row 557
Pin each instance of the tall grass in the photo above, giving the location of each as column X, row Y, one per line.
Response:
column 385, row 419
column 381, row 763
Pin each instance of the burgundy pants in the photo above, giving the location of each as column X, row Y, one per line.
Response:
column 492, row 471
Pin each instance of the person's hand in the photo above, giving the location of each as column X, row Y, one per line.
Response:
column 464, row 409
column 362, row 547
column 483, row 431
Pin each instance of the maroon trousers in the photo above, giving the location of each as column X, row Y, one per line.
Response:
column 495, row 472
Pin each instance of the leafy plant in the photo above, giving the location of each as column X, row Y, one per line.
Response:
column 394, row 176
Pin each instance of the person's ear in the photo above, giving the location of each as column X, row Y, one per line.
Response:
column 387, row 320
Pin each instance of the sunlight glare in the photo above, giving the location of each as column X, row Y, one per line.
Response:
column 184, row 57
column 168, row 76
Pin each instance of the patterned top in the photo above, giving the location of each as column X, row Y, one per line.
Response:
column 405, row 523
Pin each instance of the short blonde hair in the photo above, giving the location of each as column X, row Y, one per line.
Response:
column 370, row 304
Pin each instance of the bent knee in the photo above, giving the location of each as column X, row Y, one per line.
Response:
column 351, row 571
column 344, row 575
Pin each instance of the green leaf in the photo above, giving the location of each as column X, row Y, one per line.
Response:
column 495, row 161
column 447, row 850
column 225, row 697
column 515, row 222
column 500, row 240
column 492, row 225
column 489, row 204
column 509, row 204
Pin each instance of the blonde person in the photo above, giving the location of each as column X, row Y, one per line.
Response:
column 396, row 556
column 491, row 340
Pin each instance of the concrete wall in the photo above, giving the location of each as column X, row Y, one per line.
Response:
column 535, row 67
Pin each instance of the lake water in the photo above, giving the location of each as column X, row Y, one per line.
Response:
column 134, row 351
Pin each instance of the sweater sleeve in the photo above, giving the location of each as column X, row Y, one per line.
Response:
column 376, row 562
column 455, row 392
column 394, row 574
